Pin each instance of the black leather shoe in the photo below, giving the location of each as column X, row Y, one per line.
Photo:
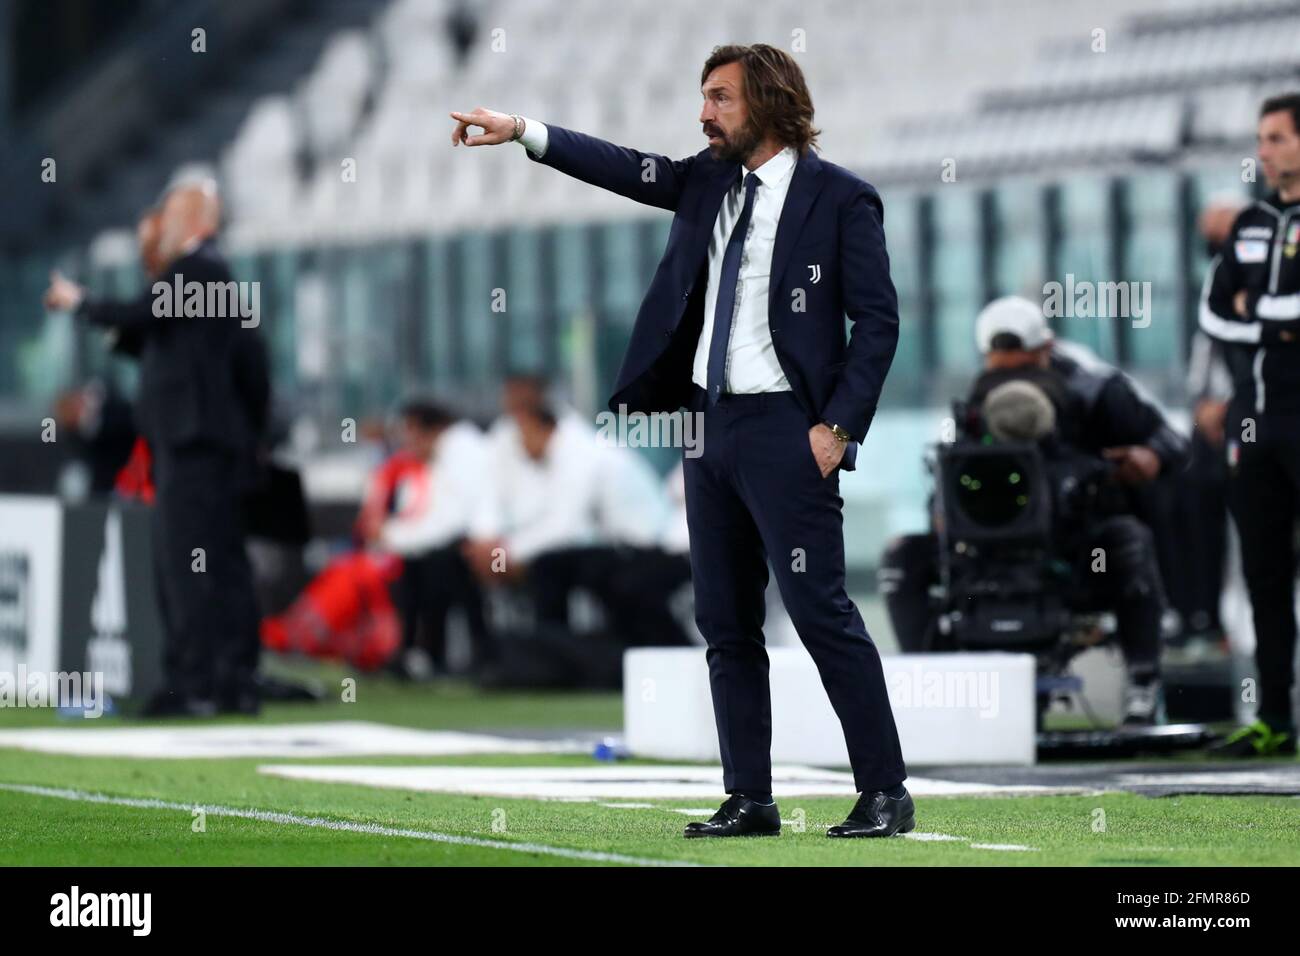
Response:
column 877, row 814
column 739, row 816
column 276, row 689
column 241, row 700
column 168, row 703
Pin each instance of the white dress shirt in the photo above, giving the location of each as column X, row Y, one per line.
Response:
column 631, row 507
column 751, row 358
column 539, row 505
column 535, row 136
column 752, row 364
column 433, row 507
column 584, row 490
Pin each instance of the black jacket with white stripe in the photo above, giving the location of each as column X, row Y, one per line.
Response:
column 1261, row 346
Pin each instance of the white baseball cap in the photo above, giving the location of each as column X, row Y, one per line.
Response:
column 1012, row 315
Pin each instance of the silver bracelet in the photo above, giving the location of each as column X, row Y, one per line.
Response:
column 519, row 126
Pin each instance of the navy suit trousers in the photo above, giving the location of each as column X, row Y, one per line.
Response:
column 756, row 492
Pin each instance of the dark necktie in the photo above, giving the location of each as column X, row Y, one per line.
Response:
column 726, row 304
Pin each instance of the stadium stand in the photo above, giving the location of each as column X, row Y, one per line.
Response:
column 1069, row 160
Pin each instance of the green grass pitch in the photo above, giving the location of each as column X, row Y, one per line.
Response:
column 253, row 819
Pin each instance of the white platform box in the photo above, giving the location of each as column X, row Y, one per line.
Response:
column 949, row 708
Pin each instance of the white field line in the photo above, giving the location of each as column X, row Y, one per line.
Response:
column 924, row 837
column 293, row 819
column 1001, row 846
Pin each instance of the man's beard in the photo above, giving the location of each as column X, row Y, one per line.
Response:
column 736, row 147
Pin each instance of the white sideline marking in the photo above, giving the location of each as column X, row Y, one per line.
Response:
column 615, row 782
column 923, row 837
column 946, row 837
column 1283, row 776
column 342, row 738
column 930, row 837
column 1001, row 846
column 293, row 819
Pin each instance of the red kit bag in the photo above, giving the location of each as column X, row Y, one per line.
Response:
column 344, row 614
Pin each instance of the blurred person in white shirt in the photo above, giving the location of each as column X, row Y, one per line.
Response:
column 419, row 506
column 567, row 509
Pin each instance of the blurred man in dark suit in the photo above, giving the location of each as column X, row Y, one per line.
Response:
column 202, row 407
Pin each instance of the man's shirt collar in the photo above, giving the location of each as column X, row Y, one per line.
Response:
column 775, row 170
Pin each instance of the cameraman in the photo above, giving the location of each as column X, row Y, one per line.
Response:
column 1099, row 413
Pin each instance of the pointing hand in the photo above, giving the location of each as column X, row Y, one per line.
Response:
column 497, row 128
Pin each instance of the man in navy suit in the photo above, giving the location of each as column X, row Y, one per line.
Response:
column 743, row 324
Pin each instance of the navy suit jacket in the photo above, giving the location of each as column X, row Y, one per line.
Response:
column 829, row 261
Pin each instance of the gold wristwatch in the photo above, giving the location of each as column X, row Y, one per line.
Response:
column 839, row 433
